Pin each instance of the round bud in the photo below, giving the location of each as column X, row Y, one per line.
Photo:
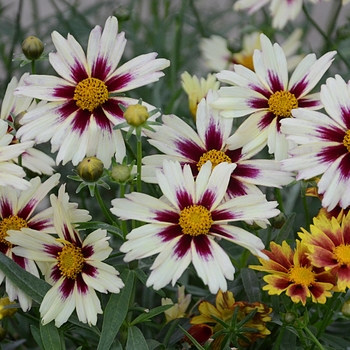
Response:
column 32, row 47
column 17, row 122
column 122, row 13
column 289, row 317
column 90, row 169
column 136, row 115
column 346, row 308
column 120, row 173
column 279, row 220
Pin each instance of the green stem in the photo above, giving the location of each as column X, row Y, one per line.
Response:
column 278, row 341
column 124, row 226
column 333, row 21
column 139, row 160
column 170, row 332
column 33, row 66
column 306, row 208
column 327, row 39
column 279, row 199
column 105, row 210
column 313, row 338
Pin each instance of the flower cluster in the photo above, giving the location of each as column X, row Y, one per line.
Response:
column 202, row 198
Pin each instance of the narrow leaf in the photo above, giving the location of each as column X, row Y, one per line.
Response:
column 136, row 340
column 251, row 284
column 33, row 286
column 50, row 336
column 36, row 335
column 286, row 229
column 145, row 316
column 116, row 311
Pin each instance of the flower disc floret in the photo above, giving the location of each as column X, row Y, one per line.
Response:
column 70, row 261
column 342, row 254
column 216, row 157
column 11, row 223
column 281, row 103
column 195, row 220
column 90, row 94
column 346, row 140
column 302, row 275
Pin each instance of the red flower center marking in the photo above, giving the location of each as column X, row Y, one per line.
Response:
column 216, row 157
column 70, row 261
column 10, row 223
column 195, row 220
column 90, row 93
column 281, row 103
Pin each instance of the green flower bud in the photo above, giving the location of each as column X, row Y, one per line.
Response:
column 289, row 317
column 90, row 169
column 32, row 47
column 346, row 308
column 136, row 115
column 120, row 173
column 122, row 13
column 279, row 220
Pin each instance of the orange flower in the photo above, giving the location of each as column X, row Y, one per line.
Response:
column 329, row 246
column 292, row 272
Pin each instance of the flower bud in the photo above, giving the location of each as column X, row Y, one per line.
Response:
column 32, row 47
column 136, row 115
column 346, row 308
column 90, row 169
column 120, row 173
column 289, row 317
column 17, row 122
column 122, row 13
column 279, row 220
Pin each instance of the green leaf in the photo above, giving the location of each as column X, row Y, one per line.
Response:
column 50, row 336
column 146, row 316
column 36, row 335
column 136, row 340
column 286, row 229
column 251, row 284
column 95, row 225
column 193, row 340
column 116, row 311
column 33, row 286
column 140, row 274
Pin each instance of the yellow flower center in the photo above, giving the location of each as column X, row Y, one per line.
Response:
column 342, row 254
column 346, row 140
column 70, row 261
column 302, row 275
column 195, row 220
column 216, row 157
column 10, row 223
column 90, row 93
column 281, row 103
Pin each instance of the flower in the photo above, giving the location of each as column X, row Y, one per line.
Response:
column 294, row 273
column 181, row 143
column 178, row 309
column 5, row 309
column 324, row 143
column 329, row 247
column 218, row 57
column 281, row 10
column 17, row 212
column 197, row 89
column 182, row 228
column 269, row 96
column 13, row 108
column 224, row 309
column 83, row 107
column 75, row 268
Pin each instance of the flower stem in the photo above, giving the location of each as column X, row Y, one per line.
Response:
column 313, row 338
column 279, row 199
column 123, row 224
column 105, row 210
column 139, row 160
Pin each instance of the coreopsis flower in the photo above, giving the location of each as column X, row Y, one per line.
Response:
column 324, row 144
column 269, row 96
column 5, row 310
column 197, row 89
column 75, row 268
column 178, row 309
column 183, row 225
column 83, row 107
column 17, row 212
column 13, row 108
column 179, row 142
column 218, row 57
column 329, row 247
column 295, row 274
column 281, row 10
column 224, row 309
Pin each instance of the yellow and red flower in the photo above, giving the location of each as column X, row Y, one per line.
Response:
column 292, row 272
column 329, row 244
